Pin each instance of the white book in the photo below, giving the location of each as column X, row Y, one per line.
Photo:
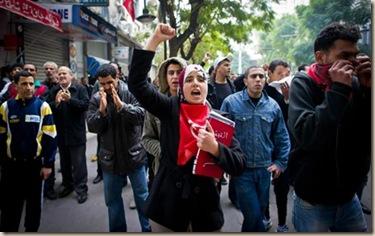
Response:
column 277, row 84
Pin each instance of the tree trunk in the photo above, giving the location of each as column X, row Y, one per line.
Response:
column 176, row 43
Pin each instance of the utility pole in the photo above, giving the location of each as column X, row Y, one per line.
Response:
column 240, row 59
column 164, row 20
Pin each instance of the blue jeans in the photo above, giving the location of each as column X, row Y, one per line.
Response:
column 113, row 185
column 347, row 217
column 252, row 189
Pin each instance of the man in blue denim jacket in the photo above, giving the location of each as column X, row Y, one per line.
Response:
column 262, row 133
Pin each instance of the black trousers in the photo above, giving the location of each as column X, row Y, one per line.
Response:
column 49, row 183
column 74, row 167
column 20, row 182
column 281, row 189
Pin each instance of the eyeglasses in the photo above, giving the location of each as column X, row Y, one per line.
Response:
column 254, row 76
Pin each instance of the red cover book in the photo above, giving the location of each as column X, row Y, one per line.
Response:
column 204, row 163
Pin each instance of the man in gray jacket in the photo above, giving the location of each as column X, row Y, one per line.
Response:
column 116, row 116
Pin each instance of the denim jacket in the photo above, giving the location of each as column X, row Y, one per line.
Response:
column 260, row 129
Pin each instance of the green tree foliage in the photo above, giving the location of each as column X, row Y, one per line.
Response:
column 292, row 36
column 212, row 42
column 194, row 19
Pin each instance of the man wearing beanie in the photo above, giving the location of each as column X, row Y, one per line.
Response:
column 219, row 85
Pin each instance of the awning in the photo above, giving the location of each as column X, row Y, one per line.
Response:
column 93, row 64
column 33, row 11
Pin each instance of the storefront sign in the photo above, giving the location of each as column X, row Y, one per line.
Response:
column 33, row 11
column 103, row 3
column 86, row 20
column 93, row 23
column 121, row 53
column 65, row 11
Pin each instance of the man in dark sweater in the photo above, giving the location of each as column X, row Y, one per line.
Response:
column 330, row 120
column 219, row 85
column 278, row 70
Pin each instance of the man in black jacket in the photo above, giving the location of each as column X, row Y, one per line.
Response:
column 69, row 101
column 117, row 117
column 50, row 70
column 330, row 120
column 278, row 70
column 219, row 85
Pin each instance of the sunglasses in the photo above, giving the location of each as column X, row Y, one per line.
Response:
column 254, row 76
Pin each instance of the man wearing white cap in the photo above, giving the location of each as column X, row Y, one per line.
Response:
column 219, row 85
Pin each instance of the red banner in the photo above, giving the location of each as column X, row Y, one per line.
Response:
column 129, row 5
column 33, row 11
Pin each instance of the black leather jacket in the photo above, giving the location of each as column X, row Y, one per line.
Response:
column 120, row 132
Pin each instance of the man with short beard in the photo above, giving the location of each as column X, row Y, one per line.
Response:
column 117, row 117
column 330, row 121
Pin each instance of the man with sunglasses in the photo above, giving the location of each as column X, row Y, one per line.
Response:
column 264, row 139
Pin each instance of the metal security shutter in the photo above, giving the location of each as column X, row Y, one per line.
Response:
column 44, row 44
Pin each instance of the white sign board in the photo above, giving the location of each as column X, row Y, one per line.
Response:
column 121, row 53
column 65, row 11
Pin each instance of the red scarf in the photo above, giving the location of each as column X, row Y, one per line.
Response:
column 192, row 118
column 320, row 75
column 12, row 89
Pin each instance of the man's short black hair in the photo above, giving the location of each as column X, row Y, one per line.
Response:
column 276, row 63
column 247, row 71
column 106, row 70
column 22, row 73
column 302, row 67
column 333, row 32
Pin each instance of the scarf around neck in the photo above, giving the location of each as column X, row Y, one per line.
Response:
column 320, row 75
column 192, row 118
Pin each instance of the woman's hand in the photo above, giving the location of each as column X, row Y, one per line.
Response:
column 163, row 32
column 206, row 140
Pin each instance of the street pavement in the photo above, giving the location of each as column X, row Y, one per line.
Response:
column 66, row 215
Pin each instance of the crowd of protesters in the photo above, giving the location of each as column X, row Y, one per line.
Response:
column 309, row 132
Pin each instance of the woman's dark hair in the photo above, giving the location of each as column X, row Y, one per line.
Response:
column 171, row 62
column 333, row 32
column 17, row 64
column 22, row 73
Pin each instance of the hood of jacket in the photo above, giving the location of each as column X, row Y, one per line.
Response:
column 162, row 73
